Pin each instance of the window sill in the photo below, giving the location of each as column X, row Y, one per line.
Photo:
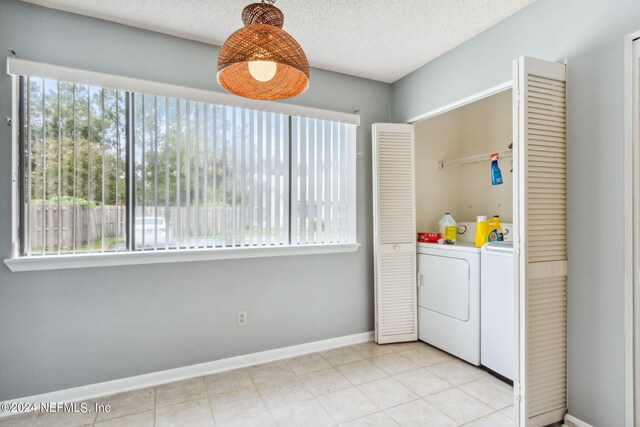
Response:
column 58, row 262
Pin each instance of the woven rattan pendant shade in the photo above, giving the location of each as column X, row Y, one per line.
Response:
column 263, row 39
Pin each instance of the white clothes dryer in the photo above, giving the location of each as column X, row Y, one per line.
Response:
column 449, row 298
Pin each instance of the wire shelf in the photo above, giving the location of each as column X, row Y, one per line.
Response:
column 476, row 159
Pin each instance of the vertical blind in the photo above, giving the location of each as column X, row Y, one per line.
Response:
column 73, row 166
column 320, row 180
column 105, row 170
column 215, row 175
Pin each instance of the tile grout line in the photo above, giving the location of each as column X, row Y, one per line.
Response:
column 442, row 412
column 357, row 386
column 307, row 387
column 334, row 367
column 495, row 411
column 155, row 405
column 420, row 367
column 255, row 385
column 95, row 417
column 215, row 422
column 479, row 400
column 353, row 385
column 448, row 416
column 213, row 417
column 179, row 402
column 457, row 387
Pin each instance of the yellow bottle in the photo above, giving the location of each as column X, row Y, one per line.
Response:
column 482, row 231
column 495, row 230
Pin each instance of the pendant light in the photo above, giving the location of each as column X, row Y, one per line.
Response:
column 261, row 60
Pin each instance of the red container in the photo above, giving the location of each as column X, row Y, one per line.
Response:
column 429, row 237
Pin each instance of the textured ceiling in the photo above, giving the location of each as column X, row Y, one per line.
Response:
column 378, row 39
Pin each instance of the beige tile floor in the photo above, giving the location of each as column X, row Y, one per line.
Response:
column 409, row 384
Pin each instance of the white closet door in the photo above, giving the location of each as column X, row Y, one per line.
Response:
column 634, row 86
column 394, row 233
column 540, row 223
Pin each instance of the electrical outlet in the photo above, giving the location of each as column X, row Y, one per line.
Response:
column 242, row 318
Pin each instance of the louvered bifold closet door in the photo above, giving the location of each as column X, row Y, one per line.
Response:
column 394, row 233
column 541, row 239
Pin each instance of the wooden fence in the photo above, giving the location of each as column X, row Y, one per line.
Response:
column 58, row 229
column 52, row 228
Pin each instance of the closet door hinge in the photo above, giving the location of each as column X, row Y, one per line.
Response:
column 517, row 392
column 516, row 246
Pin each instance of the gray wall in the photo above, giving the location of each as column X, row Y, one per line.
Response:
column 589, row 34
column 67, row 328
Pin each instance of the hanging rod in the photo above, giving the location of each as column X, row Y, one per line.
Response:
column 476, row 159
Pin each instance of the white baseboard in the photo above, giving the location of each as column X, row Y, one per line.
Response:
column 571, row 421
column 93, row 391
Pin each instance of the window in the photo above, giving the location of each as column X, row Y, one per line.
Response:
column 73, row 165
column 107, row 171
column 322, row 205
column 217, row 175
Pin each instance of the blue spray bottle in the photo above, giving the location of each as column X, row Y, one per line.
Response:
column 496, row 174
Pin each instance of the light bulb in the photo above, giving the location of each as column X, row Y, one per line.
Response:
column 263, row 71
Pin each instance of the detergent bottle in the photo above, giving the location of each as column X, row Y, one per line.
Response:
column 495, row 230
column 482, row 231
column 496, row 173
column 448, row 228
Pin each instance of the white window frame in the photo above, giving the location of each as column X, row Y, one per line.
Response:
column 17, row 67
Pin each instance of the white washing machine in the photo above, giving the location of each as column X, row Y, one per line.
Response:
column 497, row 301
column 449, row 298
column 449, row 295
